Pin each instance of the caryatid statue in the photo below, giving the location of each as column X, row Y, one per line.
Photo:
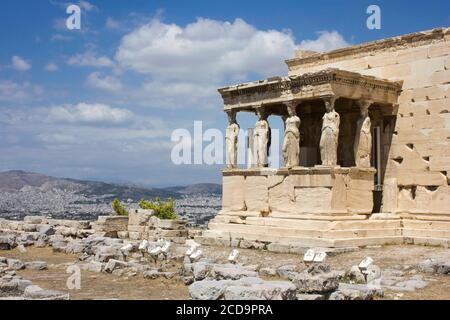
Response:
column 363, row 138
column 330, row 134
column 231, row 139
column 261, row 138
column 291, row 143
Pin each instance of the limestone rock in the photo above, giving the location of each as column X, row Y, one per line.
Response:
column 40, row 243
column 318, row 283
column 172, row 224
column 16, row 264
column 106, row 252
column 34, row 220
column 139, row 217
column 152, row 274
column 356, row 292
column 75, row 247
column 435, row 266
column 113, row 264
column 36, row 292
column 231, row 271
column 268, row 290
column 319, row 268
column 7, row 242
column 29, row 227
column 373, row 272
column 268, row 272
column 208, row 289
column 36, row 265
column 200, row 270
column 7, row 288
column 248, row 288
column 306, row 297
column 355, row 275
column 188, row 280
column 58, row 243
column 286, row 271
column 169, row 275
column 412, row 284
column 13, row 287
column 45, row 229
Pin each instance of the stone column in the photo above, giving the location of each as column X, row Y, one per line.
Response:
column 231, row 139
column 291, row 143
column 330, row 133
column 261, row 138
column 363, row 137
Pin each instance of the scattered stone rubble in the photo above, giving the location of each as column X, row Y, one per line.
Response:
column 142, row 245
column 13, row 286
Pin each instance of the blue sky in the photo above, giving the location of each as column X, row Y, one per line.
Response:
column 101, row 102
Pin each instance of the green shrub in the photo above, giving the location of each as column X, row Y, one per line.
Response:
column 119, row 208
column 163, row 209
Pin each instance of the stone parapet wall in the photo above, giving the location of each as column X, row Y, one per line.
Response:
column 299, row 190
column 38, row 227
column 110, row 226
column 144, row 225
column 141, row 225
column 417, row 171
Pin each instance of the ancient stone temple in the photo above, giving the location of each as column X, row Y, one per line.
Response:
column 366, row 150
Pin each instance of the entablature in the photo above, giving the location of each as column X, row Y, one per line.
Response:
column 310, row 86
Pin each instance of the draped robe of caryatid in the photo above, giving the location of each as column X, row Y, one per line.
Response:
column 261, row 140
column 363, row 142
column 291, row 144
column 329, row 138
column 231, row 139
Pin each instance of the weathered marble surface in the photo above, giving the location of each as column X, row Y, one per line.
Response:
column 330, row 135
column 261, row 140
column 231, row 139
column 291, row 144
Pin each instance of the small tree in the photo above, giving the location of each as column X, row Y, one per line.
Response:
column 163, row 209
column 119, row 208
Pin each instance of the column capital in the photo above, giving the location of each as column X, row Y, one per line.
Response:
column 291, row 103
column 231, row 112
column 329, row 102
column 260, row 111
column 290, row 106
column 364, row 104
column 231, row 116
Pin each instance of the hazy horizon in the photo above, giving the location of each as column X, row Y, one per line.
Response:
column 114, row 181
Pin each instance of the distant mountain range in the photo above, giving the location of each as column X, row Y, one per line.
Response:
column 17, row 180
column 28, row 193
column 199, row 188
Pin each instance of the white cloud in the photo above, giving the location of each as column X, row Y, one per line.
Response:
column 20, row 64
column 56, row 138
column 175, row 95
column 84, row 113
column 86, row 5
column 112, row 24
column 90, row 59
column 51, row 67
column 60, row 37
column 60, row 24
column 107, row 83
column 327, row 40
column 19, row 92
column 184, row 65
column 205, row 50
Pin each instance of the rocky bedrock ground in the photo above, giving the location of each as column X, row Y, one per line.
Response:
column 35, row 261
